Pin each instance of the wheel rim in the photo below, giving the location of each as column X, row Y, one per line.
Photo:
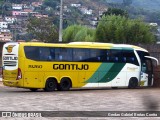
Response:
column 50, row 84
column 65, row 84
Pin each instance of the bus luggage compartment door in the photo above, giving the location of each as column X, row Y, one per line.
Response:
column 33, row 80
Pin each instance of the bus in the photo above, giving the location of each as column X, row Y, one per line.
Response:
column 61, row 66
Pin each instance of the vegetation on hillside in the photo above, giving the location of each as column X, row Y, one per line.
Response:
column 78, row 33
column 43, row 29
column 119, row 29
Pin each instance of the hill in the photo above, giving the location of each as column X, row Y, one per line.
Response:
column 152, row 5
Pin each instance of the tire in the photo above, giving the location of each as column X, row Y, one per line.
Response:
column 33, row 89
column 65, row 84
column 51, row 85
column 114, row 87
column 133, row 83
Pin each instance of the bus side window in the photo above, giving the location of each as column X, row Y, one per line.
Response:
column 95, row 55
column 80, row 54
column 129, row 57
column 44, row 54
column 116, row 59
column 31, row 52
column 52, row 53
column 124, row 59
column 114, row 56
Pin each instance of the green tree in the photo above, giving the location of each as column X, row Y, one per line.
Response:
column 116, row 11
column 78, row 33
column 43, row 29
column 119, row 29
column 51, row 3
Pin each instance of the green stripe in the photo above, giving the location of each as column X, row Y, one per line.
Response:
column 103, row 67
column 106, row 72
column 113, row 72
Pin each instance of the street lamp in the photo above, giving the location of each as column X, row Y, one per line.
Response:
column 61, row 21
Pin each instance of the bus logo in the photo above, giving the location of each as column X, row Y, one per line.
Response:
column 9, row 48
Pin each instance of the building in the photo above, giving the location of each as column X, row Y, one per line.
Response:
column 75, row 5
column 86, row 11
column 17, row 6
column 10, row 19
column 5, row 36
column 3, row 25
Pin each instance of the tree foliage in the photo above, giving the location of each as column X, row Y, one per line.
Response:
column 78, row 33
column 43, row 29
column 51, row 3
column 116, row 11
column 119, row 29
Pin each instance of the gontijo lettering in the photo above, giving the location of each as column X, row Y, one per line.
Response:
column 70, row 67
column 10, row 58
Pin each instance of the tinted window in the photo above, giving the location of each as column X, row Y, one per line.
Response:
column 63, row 54
column 142, row 54
column 80, row 54
column 114, row 56
column 97, row 55
column 32, row 52
column 44, row 54
column 129, row 57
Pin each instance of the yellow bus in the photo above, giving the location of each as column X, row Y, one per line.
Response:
column 75, row 65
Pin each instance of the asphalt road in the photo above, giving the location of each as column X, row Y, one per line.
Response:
column 141, row 99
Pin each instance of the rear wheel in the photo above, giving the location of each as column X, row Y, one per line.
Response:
column 33, row 89
column 114, row 87
column 133, row 83
column 51, row 85
column 65, row 84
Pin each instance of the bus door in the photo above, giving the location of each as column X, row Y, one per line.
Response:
column 147, row 72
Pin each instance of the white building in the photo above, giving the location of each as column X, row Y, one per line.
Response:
column 17, row 6
column 5, row 36
column 75, row 5
column 5, row 30
column 3, row 25
column 10, row 20
column 153, row 24
column 93, row 23
column 86, row 11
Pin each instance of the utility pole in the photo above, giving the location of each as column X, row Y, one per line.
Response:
column 61, row 21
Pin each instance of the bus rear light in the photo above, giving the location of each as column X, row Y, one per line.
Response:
column 19, row 74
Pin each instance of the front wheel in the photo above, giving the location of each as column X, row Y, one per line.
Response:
column 133, row 83
column 51, row 85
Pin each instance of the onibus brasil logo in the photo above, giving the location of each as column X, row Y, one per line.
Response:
column 10, row 48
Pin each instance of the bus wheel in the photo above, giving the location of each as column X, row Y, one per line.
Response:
column 65, row 84
column 133, row 83
column 51, row 85
column 114, row 87
column 33, row 89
